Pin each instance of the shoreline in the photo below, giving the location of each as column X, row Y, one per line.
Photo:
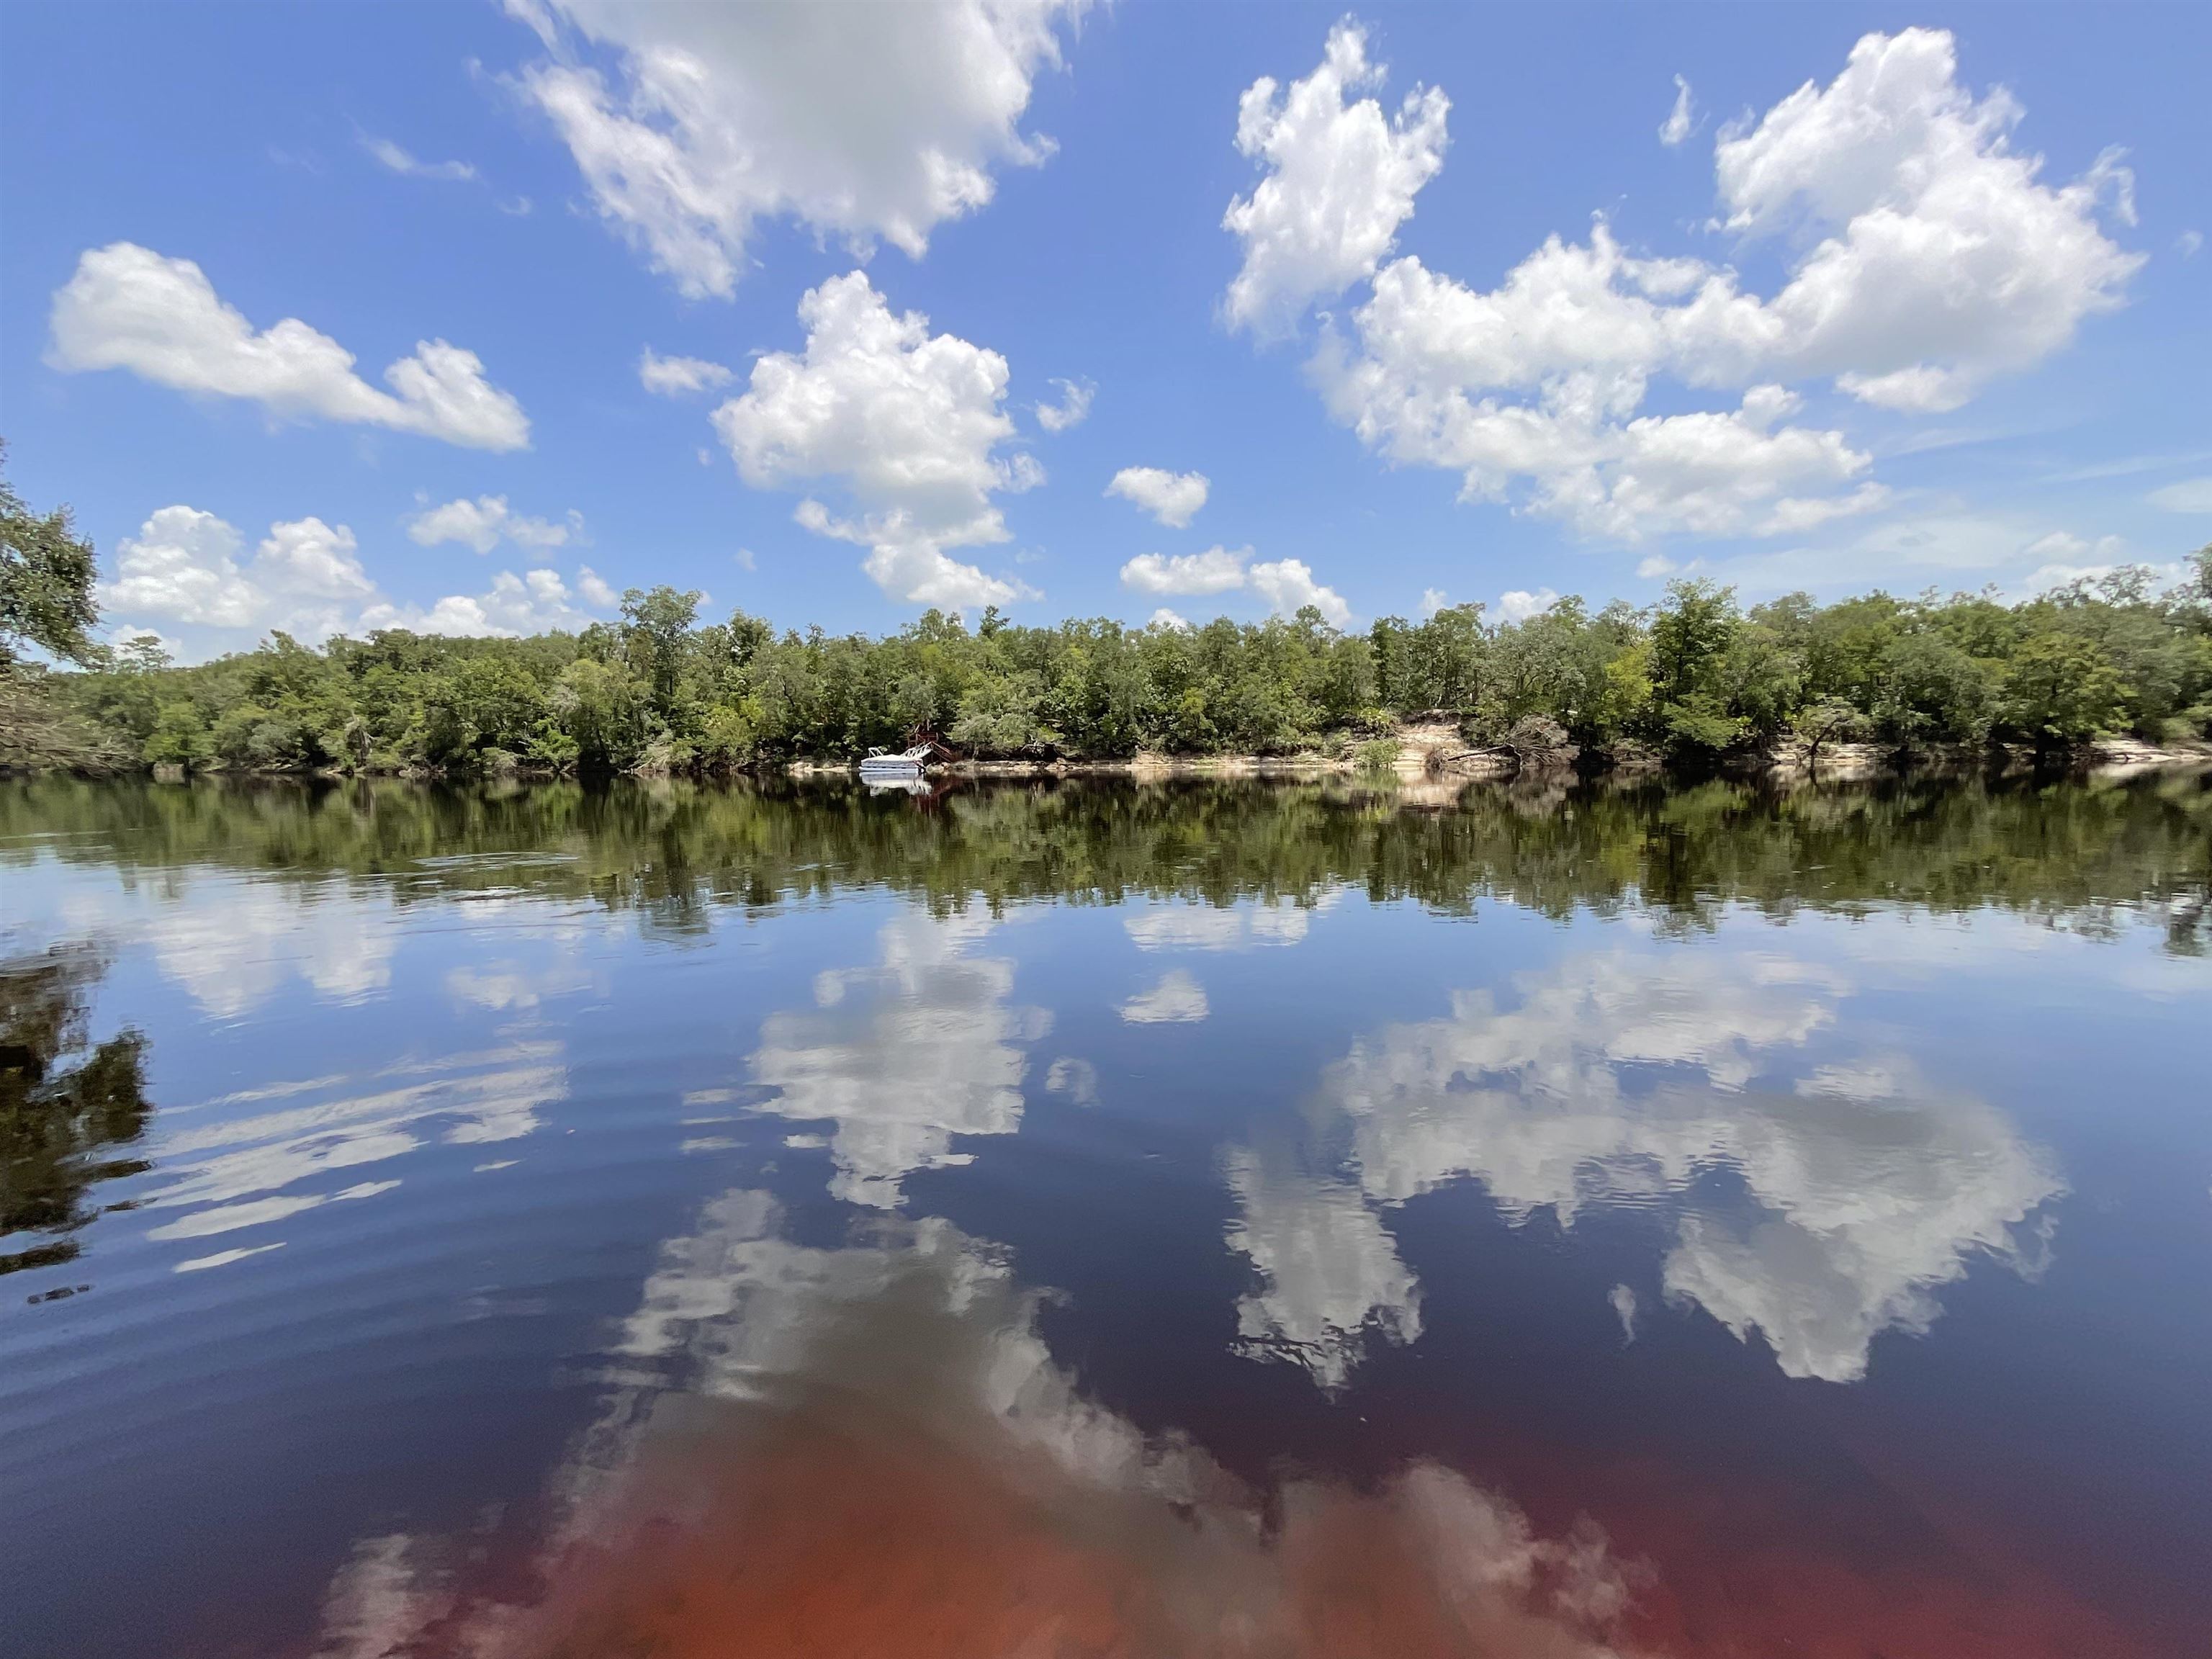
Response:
column 1455, row 763
column 1425, row 755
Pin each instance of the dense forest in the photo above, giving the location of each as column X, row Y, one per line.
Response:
column 1696, row 677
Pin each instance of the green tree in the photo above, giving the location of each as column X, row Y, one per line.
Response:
column 2060, row 688
column 598, row 706
column 1690, row 638
column 656, row 628
column 46, row 577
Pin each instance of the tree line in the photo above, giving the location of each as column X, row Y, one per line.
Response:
column 673, row 851
column 1694, row 677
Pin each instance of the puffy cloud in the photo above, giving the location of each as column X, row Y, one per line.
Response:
column 1340, row 180
column 2190, row 495
column 707, row 118
column 482, row 523
column 1927, row 258
column 536, row 602
column 1288, row 586
column 1947, row 261
column 674, row 377
column 1520, row 605
column 1329, row 1273
column 1173, row 498
column 186, row 566
column 1433, row 356
column 908, row 422
column 305, row 577
column 598, row 592
column 903, row 1056
column 1166, row 617
column 398, row 160
column 1433, row 599
column 1072, row 410
column 1177, row 1000
column 1681, row 120
column 1216, row 570
column 128, row 307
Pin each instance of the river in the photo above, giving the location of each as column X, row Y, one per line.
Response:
column 1239, row 1219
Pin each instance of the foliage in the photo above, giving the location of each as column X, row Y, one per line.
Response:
column 46, row 574
column 1695, row 677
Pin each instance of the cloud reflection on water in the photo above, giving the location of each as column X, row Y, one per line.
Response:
column 869, row 1449
column 1176, row 1000
column 220, row 1157
column 1621, row 1078
column 1183, row 927
column 1330, row 1273
column 231, row 942
column 902, row 1055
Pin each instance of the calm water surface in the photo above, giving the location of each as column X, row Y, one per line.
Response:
column 1241, row 1221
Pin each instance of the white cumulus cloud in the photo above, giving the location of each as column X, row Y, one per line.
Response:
column 1340, row 180
column 909, row 423
column 1216, row 570
column 188, row 567
column 675, row 377
column 1173, row 498
column 1944, row 260
column 1288, row 586
column 535, row 602
column 482, row 523
column 698, row 121
column 129, row 308
column 1520, row 605
column 1925, row 256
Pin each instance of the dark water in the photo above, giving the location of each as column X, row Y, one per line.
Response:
column 1223, row 1221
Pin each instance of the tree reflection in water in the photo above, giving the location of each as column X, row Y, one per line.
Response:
column 64, row 1102
column 2069, row 855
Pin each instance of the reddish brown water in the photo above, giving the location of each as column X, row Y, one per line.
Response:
column 696, row 1225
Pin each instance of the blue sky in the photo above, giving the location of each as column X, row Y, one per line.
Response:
column 1911, row 298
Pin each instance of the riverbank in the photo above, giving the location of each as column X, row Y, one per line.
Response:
column 1418, row 752
column 1431, row 753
